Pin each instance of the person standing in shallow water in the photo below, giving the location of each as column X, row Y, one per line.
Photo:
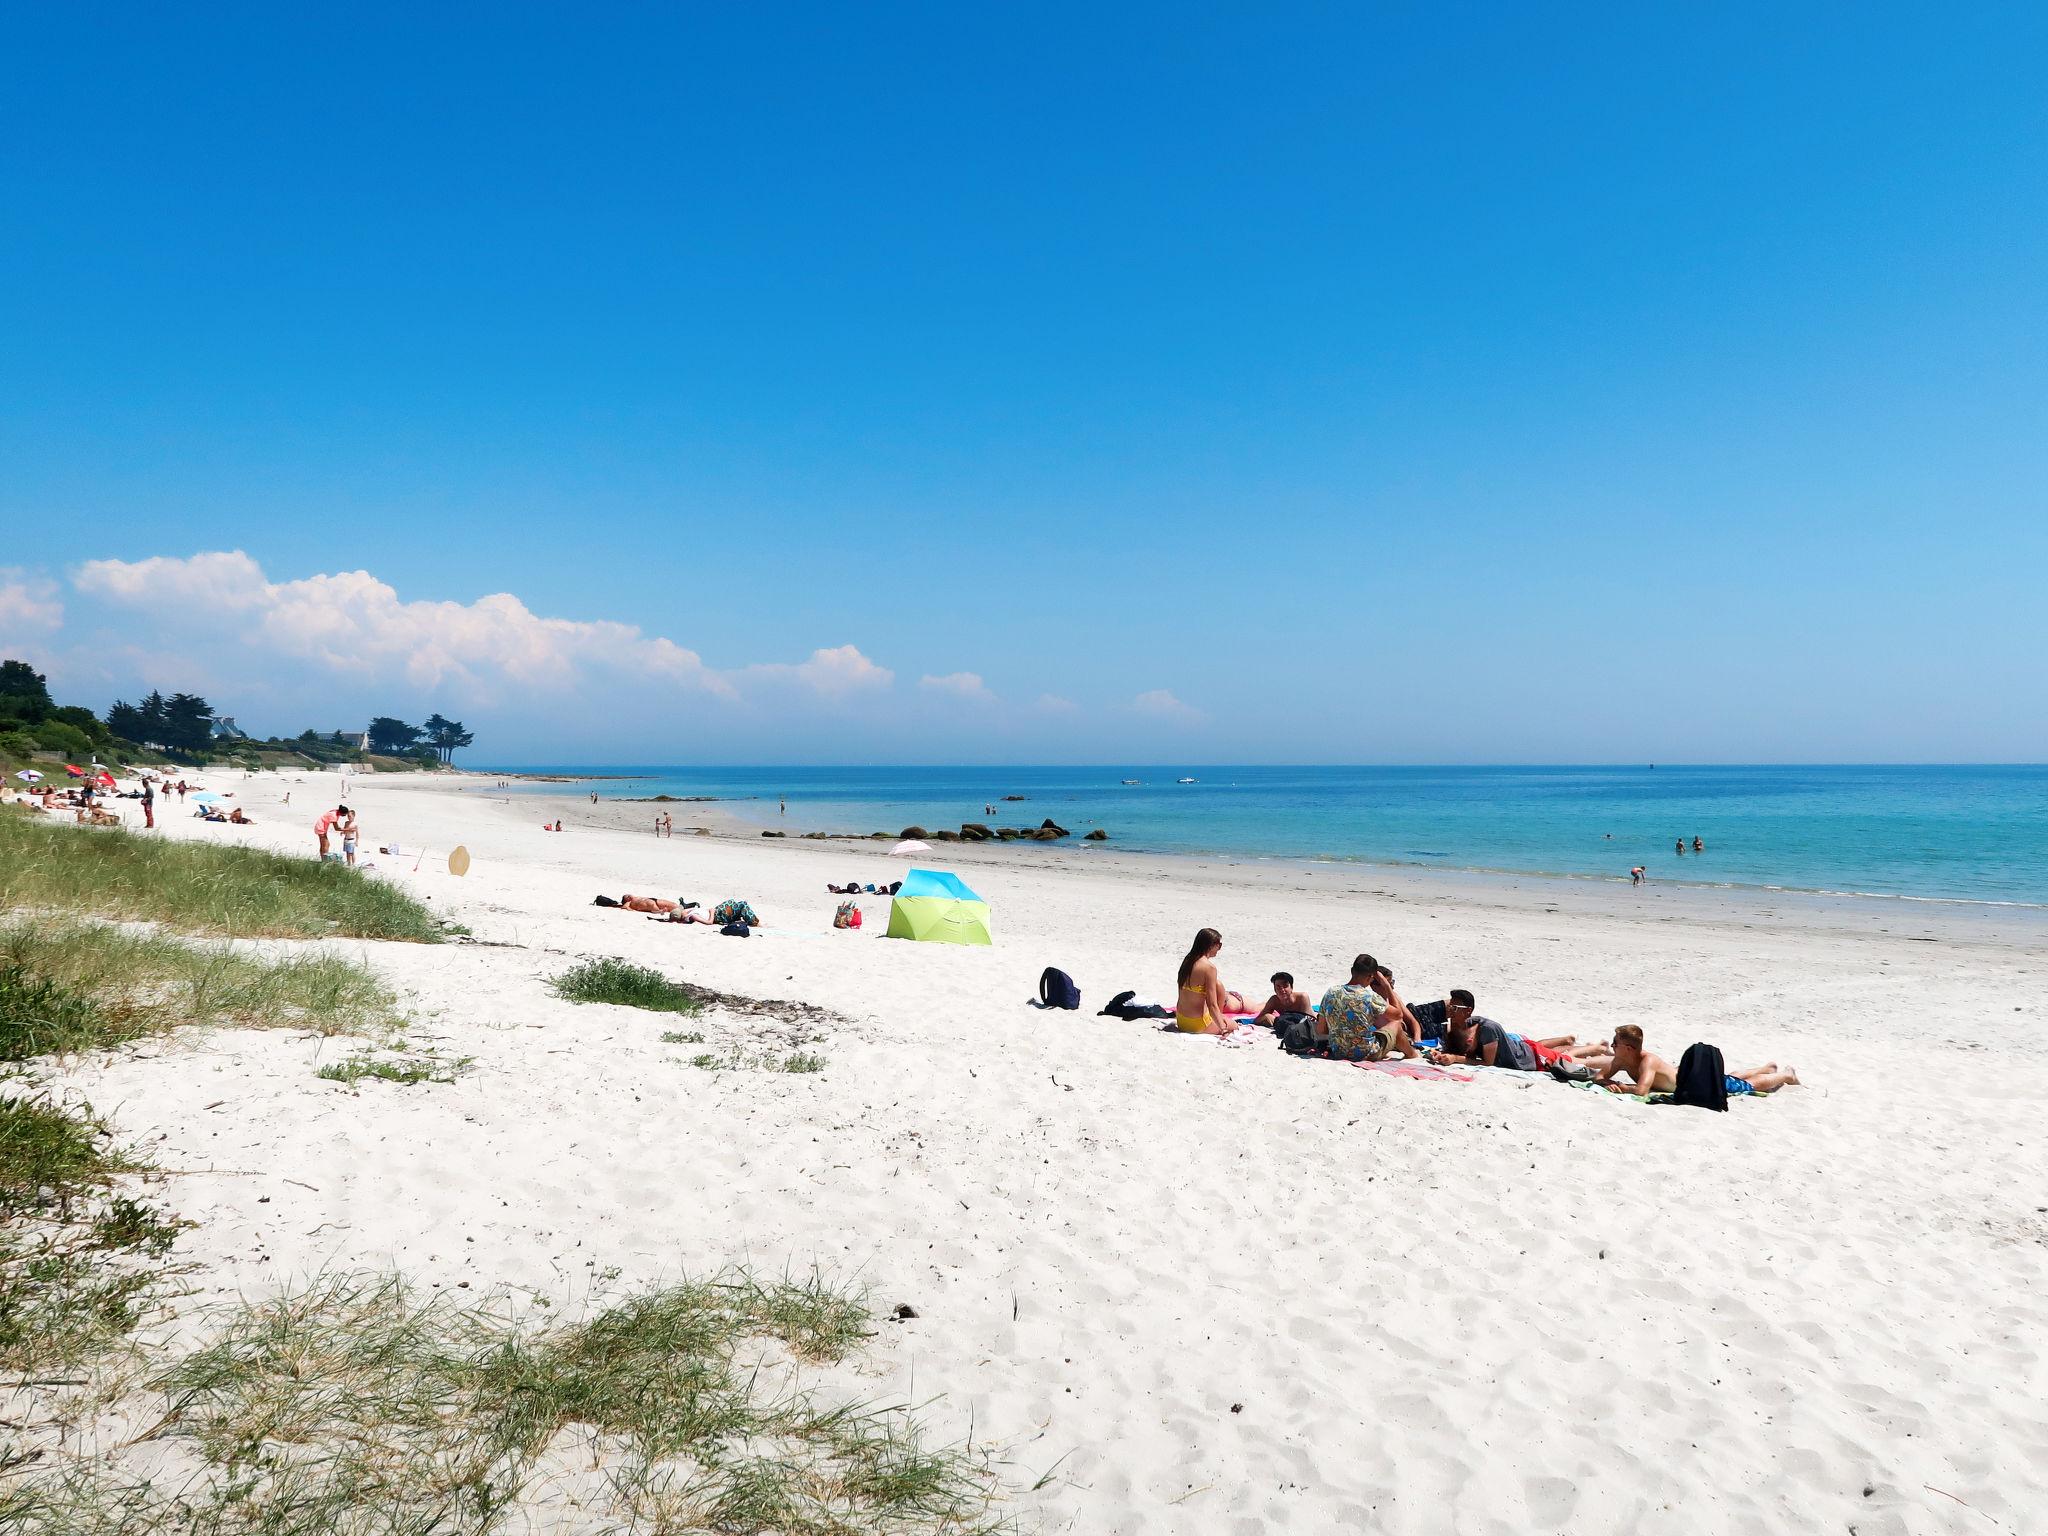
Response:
column 1698, row 846
column 1681, row 847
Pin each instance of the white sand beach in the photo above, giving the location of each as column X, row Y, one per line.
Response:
column 1203, row 1287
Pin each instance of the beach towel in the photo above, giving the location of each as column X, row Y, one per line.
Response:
column 1420, row 1071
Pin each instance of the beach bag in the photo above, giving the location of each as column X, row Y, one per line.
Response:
column 848, row 916
column 1296, row 1033
column 1702, row 1080
column 1056, row 989
column 596, row 901
column 737, row 931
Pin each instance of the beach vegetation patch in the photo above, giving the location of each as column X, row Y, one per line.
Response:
column 404, row 1070
column 79, row 1263
column 734, row 1059
column 68, row 987
column 613, row 980
column 50, row 1154
column 360, row 1403
column 195, row 887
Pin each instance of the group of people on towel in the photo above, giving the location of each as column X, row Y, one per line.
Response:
column 1364, row 1018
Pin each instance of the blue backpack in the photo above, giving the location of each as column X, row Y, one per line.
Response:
column 1056, row 989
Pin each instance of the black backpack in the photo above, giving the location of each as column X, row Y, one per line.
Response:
column 1296, row 1033
column 1701, row 1082
column 1056, row 989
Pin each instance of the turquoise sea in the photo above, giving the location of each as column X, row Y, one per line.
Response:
column 1955, row 833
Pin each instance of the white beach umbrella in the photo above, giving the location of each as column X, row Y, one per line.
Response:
column 29, row 776
column 911, row 845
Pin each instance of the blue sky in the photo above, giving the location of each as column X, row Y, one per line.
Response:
column 1038, row 383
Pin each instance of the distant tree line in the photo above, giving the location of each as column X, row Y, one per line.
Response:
column 182, row 723
column 183, row 726
column 31, row 721
column 442, row 737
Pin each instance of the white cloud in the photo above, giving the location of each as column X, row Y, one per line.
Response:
column 351, row 622
column 834, row 673
column 1161, row 704
column 1052, row 703
column 960, row 685
column 27, row 603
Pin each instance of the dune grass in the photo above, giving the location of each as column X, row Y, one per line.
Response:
column 45, row 1147
column 736, row 1060
column 67, row 987
column 404, row 1070
column 613, row 980
column 208, row 888
column 79, row 1264
column 362, row 1404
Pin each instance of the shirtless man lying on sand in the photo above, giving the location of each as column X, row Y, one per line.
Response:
column 659, row 904
column 1649, row 1073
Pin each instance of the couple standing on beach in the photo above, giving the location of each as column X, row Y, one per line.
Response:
column 342, row 820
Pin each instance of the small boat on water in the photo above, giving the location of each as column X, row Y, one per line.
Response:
column 1134, row 781
column 1183, row 781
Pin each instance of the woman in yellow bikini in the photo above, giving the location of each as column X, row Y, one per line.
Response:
column 1203, row 1004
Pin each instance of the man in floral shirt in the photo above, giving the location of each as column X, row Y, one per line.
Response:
column 1359, row 1021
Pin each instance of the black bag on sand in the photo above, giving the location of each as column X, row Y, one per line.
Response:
column 1702, row 1080
column 736, row 931
column 1296, row 1033
column 1056, row 989
column 1121, row 1007
column 604, row 901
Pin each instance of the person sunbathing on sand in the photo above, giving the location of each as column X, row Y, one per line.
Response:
column 659, row 904
column 1364, row 1019
column 1286, row 998
column 1474, row 1040
column 1203, row 1001
column 1649, row 1073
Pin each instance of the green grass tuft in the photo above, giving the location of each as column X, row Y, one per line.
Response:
column 406, row 1070
column 67, row 987
column 210, row 888
column 42, row 1147
column 677, row 1037
column 613, row 980
column 74, row 1276
column 361, row 1404
column 736, row 1060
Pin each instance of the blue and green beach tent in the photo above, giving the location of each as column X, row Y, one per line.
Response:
column 937, row 907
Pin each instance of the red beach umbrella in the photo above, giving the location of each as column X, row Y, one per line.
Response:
column 74, row 770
